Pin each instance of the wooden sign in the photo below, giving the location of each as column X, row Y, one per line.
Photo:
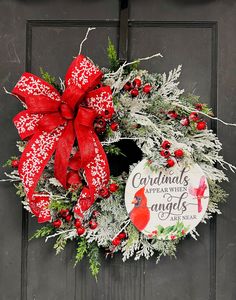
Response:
column 168, row 203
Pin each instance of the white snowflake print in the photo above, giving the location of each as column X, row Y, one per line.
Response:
column 81, row 73
column 97, row 168
column 35, row 86
column 36, row 155
column 27, row 122
column 100, row 102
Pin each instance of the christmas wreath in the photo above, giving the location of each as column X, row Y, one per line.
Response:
column 69, row 129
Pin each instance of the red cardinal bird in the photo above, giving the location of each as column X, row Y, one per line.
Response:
column 199, row 192
column 140, row 214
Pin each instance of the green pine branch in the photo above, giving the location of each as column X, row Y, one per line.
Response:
column 42, row 232
column 60, row 244
column 9, row 161
column 112, row 56
column 94, row 263
column 81, row 250
column 49, row 78
column 92, row 252
column 113, row 150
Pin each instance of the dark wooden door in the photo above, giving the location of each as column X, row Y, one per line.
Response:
column 199, row 34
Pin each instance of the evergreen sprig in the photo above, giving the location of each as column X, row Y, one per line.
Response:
column 50, row 79
column 20, row 191
column 112, row 56
column 94, row 263
column 92, row 252
column 42, row 232
column 9, row 161
column 113, row 150
column 60, row 244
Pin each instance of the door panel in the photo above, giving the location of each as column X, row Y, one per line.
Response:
column 197, row 70
column 199, row 34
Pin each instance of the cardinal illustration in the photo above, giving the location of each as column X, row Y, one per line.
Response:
column 199, row 192
column 140, row 214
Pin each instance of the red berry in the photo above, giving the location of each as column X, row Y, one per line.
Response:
column 122, row 235
column 172, row 114
column 77, row 223
column 137, row 82
column 134, row 93
column 80, row 230
column 100, row 130
column 104, row 193
column 184, row 121
column 170, row 163
column 108, row 113
column 95, row 213
column 201, row 125
column 127, row 86
column 93, row 224
column 166, row 145
column 64, row 213
column 114, row 126
column 116, row 241
column 57, row 223
column 183, row 232
column 165, row 153
column 68, row 218
column 15, row 163
column 179, row 153
column 100, row 125
column 194, row 116
column 147, row 89
column 101, row 122
column 172, row 237
column 199, row 106
column 113, row 187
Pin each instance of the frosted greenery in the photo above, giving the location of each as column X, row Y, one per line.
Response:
column 144, row 119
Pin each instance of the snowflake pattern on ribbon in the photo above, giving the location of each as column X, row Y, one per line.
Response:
column 35, row 86
column 39, row 206
column 101, row 102
column 81, row 73
column 26, row 123
column 97, row 167
column 39, row 150
column 98, row 176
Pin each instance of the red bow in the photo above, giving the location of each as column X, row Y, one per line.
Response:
column 53, row 122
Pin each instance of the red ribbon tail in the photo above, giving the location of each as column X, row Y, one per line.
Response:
column 97, row 175
column 35, row 157
column 63, row 151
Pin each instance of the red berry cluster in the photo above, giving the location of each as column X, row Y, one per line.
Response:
column 106, row 191
column 118, row 239
column 135, row 87
column 100, row 125
column 64, row 214
column 165, row 152
column 92, row 224
column 193, row 118
column 154, row 232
